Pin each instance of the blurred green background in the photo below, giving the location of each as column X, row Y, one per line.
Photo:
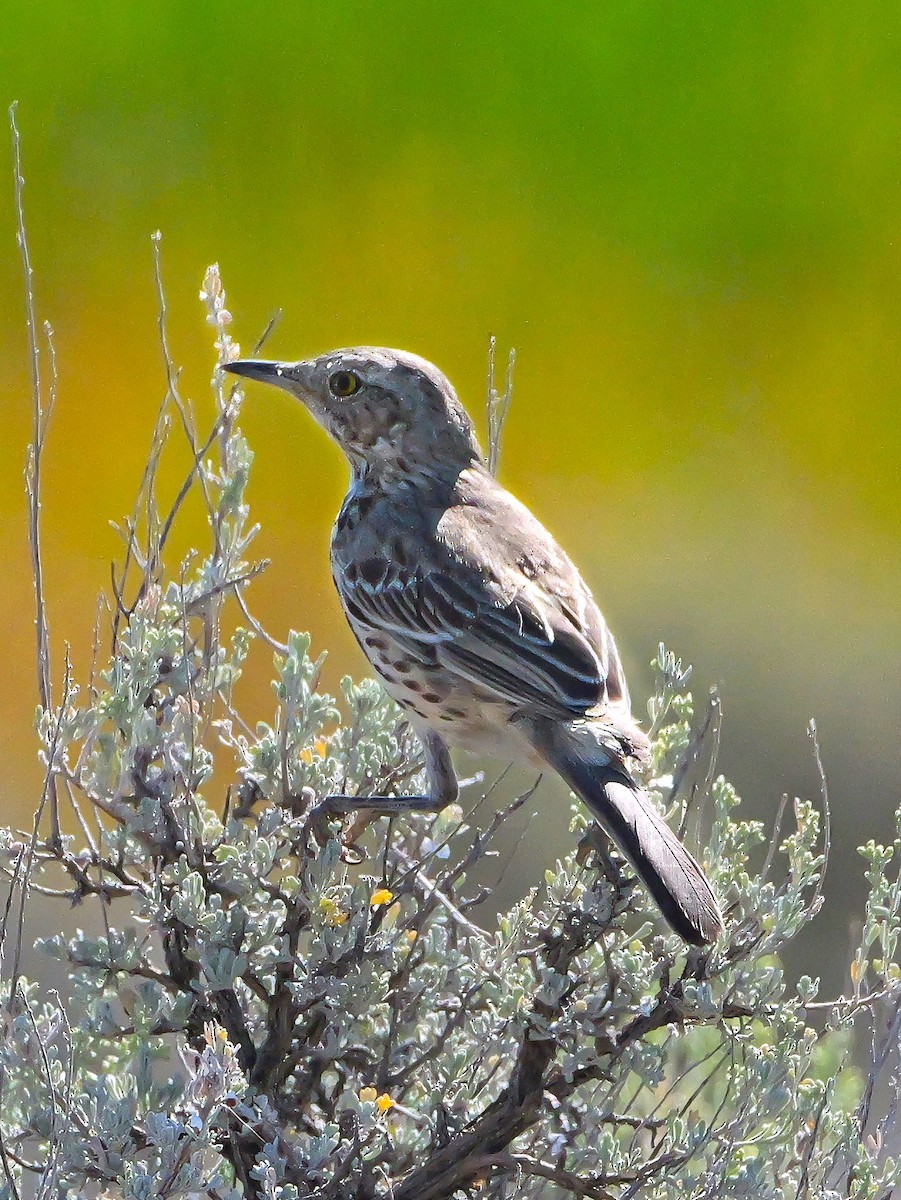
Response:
column 686, row 218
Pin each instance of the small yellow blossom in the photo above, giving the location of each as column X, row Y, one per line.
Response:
column 383, row 1103
column 319, row 749
column 381, row 896
column 332, row 913
column 411, row 935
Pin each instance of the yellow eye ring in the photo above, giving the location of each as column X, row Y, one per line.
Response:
column 343, row 383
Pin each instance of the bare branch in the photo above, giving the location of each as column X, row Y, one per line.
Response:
column 34, row 466
column 498, row 403
column 827, row 815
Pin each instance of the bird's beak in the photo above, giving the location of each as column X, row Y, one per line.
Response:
column 262, row 370
column 293, row 377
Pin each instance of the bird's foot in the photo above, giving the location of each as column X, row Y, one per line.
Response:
column 367, row 810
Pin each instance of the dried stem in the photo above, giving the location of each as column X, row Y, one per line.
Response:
column 34, row 465
column 498, row 403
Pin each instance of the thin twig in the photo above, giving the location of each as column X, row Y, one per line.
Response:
column 774, row 840
column 432, row 892
column 827, row 815
column 708, row 731
column 54, row 1109
column 172, row 375
column 279, row 647
column 28, row 866
column 33, row 469
column 498, row 403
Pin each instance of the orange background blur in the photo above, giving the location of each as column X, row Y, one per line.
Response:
column 687, row 219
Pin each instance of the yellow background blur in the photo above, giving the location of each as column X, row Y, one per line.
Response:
column 687, row 219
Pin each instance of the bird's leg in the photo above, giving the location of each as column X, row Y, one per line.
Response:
column 443, row 790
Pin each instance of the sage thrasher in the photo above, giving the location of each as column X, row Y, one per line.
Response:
column 476, row 620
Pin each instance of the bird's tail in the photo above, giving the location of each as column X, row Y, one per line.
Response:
column 599, row 778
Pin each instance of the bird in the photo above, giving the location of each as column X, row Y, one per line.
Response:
column 475, row 619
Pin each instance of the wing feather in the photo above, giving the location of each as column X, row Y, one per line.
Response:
column 482, row 589
column 529, row 655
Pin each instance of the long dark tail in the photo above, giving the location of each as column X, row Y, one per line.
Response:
column 672, row 876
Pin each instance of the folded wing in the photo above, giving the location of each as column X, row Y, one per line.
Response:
column 525, row 651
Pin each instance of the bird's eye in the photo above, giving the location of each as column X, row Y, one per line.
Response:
column 343, row 383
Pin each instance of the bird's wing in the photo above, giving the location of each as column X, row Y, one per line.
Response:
column 527, row 648
column 478, row 586
column 525, row 652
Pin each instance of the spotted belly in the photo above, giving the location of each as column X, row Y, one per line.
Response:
column 461, row 712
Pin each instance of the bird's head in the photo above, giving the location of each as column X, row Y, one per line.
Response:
column 391, row 412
